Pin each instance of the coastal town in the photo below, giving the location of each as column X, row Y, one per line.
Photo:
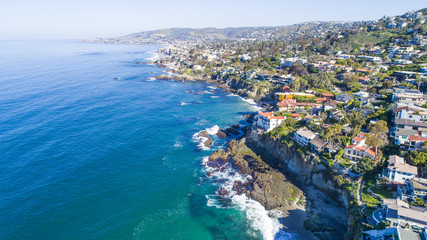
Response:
column 347, row 97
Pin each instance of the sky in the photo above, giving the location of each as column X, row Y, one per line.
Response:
column 79, row 19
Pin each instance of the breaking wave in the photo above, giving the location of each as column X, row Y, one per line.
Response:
column 259, row 219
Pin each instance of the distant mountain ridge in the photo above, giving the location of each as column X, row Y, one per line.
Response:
column 195, row 35
column 175, row 35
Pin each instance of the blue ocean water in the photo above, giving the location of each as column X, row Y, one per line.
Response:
column 90, row 148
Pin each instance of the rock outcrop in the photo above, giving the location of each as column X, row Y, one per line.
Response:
column 207, row 139
column 268, row 186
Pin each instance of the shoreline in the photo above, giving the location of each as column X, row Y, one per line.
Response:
column 292, row 218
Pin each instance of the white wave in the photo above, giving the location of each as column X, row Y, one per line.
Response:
column 252, row 103
column 150, row 79
column 154, row 56
column 213, row 130
column 213, row 87
column 248, row 100
column 202, row 122
column 214, row 96
column 259, row 219
column 183, row 103
column 177, row 144
column 212, row 201
column 200, row 141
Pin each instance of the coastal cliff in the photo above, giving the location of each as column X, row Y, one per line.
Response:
column 307, row 170
column 267, row 186
column 253, row 90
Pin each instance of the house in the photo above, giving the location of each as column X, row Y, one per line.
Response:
column 359, row 139
column 398, row 170
column 417, row 188
column 268, row 121
column 402, row 61
column 329, row 105
column 399, row 213
column 337, row 115
column 303, row 136
column 362, row 70
column 344, row 98
column 290, row 95
column 374, row 51
column 361, row 94
column 404, row 75
column 411, row 113
column 291, row 105
column 317, row 144
column 286, row 89
column 370, row 58
column 356, row 153
column 387, row 233
column 358, row 149
column 408, row 133
column 321, row 100
column 328, row 96
column 345, row 56
column 408, row 97
column 416, row 142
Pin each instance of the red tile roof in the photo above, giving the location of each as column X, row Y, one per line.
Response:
column 357, row 139
column 417, row 138
column 270, row 115
column 371, row 152
column 294, row 104
column 286, row 88
column 321, row 99
column 328, row 95
column 407, row 108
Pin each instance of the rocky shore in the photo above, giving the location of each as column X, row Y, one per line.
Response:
column 312, row 206
column 268, row 186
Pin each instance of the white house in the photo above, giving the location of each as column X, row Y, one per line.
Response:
column 358, row 149
column 411, row 113
column 304, row 136
column 400, row 213
column 268, row 121
column 398, row 170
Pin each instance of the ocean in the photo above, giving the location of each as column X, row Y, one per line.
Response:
column 93, row 148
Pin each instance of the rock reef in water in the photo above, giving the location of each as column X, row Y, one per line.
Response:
column 268, row 186
column 208, row 142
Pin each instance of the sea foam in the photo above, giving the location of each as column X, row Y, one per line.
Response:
column 213, row 130
column 259, row 219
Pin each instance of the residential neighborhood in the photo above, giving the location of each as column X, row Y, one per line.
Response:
column 352, row 97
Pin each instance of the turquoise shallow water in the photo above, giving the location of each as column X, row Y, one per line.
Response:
column 90, row 149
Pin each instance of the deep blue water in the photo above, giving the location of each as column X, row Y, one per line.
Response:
column 90, row 149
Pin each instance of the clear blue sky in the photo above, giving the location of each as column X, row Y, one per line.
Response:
column 35, row 19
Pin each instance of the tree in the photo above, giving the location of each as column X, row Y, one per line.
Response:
column 418, row 158
column 350, row 81
column 296, row 85
column 378, row 135
column 418, row 80
column 332, row 132
column 298, row 68
column 364, row 165
column 387, row 84
column 383, row 225
column 372, row 140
